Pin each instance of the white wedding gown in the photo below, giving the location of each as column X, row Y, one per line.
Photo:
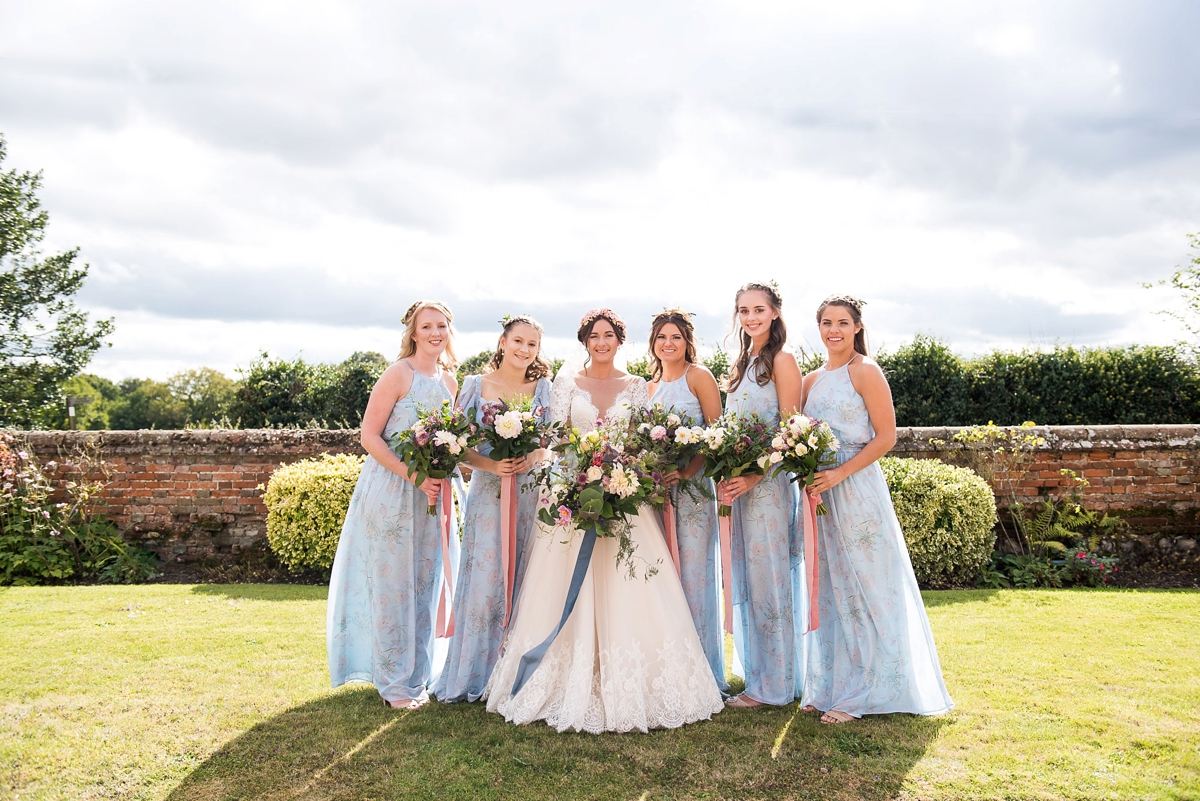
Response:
column 628, row 657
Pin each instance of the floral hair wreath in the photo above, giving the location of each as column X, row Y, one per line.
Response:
column 672, row 312
column 608, row 314
column 512, row 319
column 845, row 300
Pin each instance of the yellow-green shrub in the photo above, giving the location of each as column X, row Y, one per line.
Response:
column 306, row 505
column 946, row 514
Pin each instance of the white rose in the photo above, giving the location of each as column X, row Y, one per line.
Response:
column 776, row 457
column 462, row 442
column 801, row 449
column 673, row 420
column 762, row 461
column 526, row 415
column 777, row 443
column 595, row 473
column 508, row 425
column 445, row 439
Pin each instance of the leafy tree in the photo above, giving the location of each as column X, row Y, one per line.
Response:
column 44, row 337
column 929, row 383
column 145, row 403
column 206, row 394
column 473, row 365
column 1186, row 281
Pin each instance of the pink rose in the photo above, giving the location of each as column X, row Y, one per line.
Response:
column 658, row 433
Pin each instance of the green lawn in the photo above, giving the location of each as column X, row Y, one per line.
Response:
column 205, row 692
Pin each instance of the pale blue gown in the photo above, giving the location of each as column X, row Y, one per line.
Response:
column 479, row 589
column 874, row 651
column 766, row 568
column 387, row 574
column 696, row 530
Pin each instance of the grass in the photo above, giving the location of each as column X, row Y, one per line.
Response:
column 220, row 692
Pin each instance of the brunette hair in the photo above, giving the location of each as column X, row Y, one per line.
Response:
column 681, row 320
column 588, row 322
column 854, row 306
column 764, row 368
column 540, row 368
column 447, row 360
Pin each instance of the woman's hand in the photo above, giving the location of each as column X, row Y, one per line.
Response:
column 671, row 479
column 432, row 487
column 513, row 466
column 729, row 491
column 827, row 479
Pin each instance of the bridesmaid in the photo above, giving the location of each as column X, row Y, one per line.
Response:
column 678, row 382
column 764, row 380
column 383, row 592
column 874, row 651
column 517, row 369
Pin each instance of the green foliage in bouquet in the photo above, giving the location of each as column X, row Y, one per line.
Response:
column 306, row 506
column 736, row 445
column 947, row 514
column 436, row 444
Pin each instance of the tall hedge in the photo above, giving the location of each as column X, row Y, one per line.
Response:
column 932, row 386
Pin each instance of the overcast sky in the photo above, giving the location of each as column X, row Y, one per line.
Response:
column 290, row 176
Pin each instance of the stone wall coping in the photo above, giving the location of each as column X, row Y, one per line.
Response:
column 284, row 442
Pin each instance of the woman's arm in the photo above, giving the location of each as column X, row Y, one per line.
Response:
column 870, row 382
column 393, row 385
column 789, row 384
column 704, row 387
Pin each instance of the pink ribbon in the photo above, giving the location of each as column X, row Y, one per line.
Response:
column 669, row 532
column 725, row 526
column 445, row 612
column 508, row 539
column 809, row 503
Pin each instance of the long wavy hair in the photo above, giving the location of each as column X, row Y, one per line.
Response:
column 681, row 320
column 854, row 306
column 448, row 360
column 588, row 322
column 539, row 367
column 764, row 368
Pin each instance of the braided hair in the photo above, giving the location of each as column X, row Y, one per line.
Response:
column 854, row 306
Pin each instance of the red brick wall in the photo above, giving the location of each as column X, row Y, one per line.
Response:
column 194, row 493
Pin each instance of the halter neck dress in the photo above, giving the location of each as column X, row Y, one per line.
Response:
column 695, row 510
column 387, row 574
column 766, row 567
column 479, row 589
column 874, row 652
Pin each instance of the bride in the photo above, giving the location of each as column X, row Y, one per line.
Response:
column 628, row 657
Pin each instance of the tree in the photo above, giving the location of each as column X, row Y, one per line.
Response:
column 1186, row 280
column 44, row 337
column 206, row 394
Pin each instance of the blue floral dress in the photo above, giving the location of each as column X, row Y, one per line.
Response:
column 479, row 590
column 766, row 566
column 874, row 651
column 387, row 573
column 696, row 530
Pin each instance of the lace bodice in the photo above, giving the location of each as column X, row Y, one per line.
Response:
column 572, row 404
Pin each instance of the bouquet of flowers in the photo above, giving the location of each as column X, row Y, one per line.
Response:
column 662, row 438
column 737, row 445
column 598, row 483
column 436, row 444
column 516, row 428
column 802, row 445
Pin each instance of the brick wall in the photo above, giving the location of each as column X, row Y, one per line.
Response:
column 190, row 494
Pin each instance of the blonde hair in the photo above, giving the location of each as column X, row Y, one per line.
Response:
column 448, row 360
column 539, row 368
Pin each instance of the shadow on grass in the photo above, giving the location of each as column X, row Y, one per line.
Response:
column 948, row 597
column 347, row 745
column 264, row 592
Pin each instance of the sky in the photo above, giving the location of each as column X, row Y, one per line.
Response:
column 290, row 176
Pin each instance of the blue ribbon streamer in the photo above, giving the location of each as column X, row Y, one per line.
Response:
column 533, row 658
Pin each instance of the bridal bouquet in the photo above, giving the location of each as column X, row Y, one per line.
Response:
column 598, row 483
column 436, row 444
column 802, row 445
column 662, row 438
column 737, row 445
column 516, row 428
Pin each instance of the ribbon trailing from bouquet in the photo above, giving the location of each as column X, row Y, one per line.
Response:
column 533, row 657
column 445, row 612
column 725, row 526
column 508, row 539
column 809, row 503
column 669, row 532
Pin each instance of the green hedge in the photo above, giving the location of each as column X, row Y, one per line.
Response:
column 306, row 505
column 946, row 514
column 932, row 386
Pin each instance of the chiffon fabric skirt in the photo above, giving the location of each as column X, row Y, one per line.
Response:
column 628, row 658
column 874, row 651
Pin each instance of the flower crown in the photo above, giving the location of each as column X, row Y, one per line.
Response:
column 608, row 314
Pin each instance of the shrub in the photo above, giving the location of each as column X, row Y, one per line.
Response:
column 48, row 533
column 946, row 514
column 306, row 506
